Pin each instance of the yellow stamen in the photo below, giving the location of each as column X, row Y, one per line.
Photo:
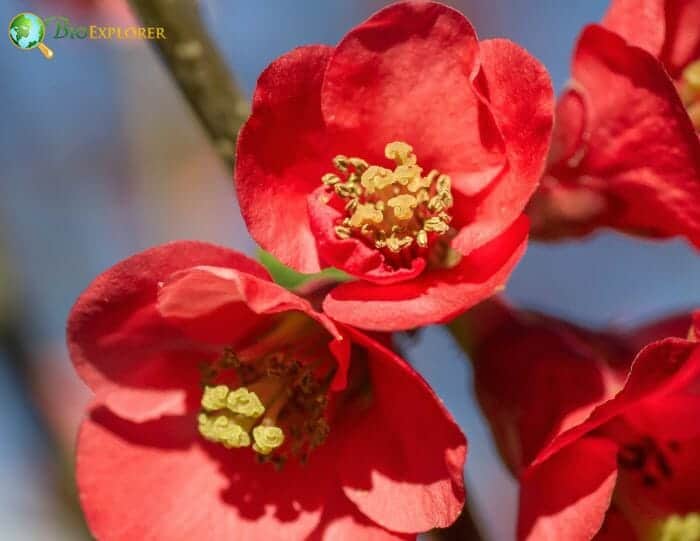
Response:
column 275, row 384
column 267, row 438
column 403, row 206
column 366, row 213
column 214, row 398
column 223, row 429
column 391, row 209
column 677, row 528
column 246, row 403
column 691, row 76
column 689, row 91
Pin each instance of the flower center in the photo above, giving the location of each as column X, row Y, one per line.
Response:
column 678, row 528
column 393, row 210
column 277, row 400
column 689, row 90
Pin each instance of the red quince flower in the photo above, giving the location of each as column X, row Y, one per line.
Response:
column 227, row 408
column 625, row 153
column 602, row 432
column 668, row 29
column 403, row 156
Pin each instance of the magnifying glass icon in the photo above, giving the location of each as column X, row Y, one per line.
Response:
column 27, row 31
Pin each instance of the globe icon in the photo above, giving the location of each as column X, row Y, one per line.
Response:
column 27, row 31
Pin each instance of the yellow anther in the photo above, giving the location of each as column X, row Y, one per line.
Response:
column 214, row 398
column 376, row 178
column 422, row 238
column 401, row 153
column 359, row 164
column 330, row 179
column 691, row 76
column 366, row 213
column 410, row 175
column 403, row 206
column 341, row 162
column 396, row 244
column 346, row 190
column 343, row 232
column 678, row 528
column 223, row 429
column 267, row 439
column 351, row 205
column 435, row 225
column 245, row 403
column 436, row 204
column 443, row 184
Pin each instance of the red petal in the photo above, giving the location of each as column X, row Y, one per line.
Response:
column 543, row 378
column 521, row 100
column 569, row 127
column 682, row 44
column 659, row 372
column 405, row 75
column 219, row 305
column 640, row 22
column 121, row 346
column 342, row 521
column 159, row 480
column 282, row 153
column 402, row 461
column 676, row 494
column 567, row 496
column 668, row 29
column 434, row 296
column 615, row 528
column 633, row 105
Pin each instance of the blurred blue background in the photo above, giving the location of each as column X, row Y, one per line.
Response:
column 102, row 157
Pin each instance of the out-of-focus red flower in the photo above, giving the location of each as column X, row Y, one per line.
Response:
column 668, row 29
column 226, row 408
column 603, row 437
column 93, row 11
column 625, row 153
column 403, row 156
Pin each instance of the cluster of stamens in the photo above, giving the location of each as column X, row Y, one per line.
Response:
column 689, row 90
column 677, row 528
column 391, row 210
column 277, row 399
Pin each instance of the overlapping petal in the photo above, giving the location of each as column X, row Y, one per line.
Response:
column 282, row 152
column 123, row 348
column 432, row 297
column 405, row 454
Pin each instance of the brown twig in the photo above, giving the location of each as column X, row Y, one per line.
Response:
column 198, row 69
